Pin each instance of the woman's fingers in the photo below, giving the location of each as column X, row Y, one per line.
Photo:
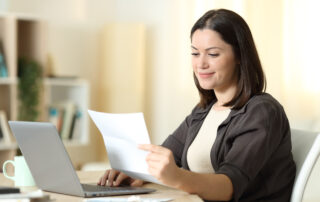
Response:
column 136, row 183
column 161, row 163
column 108, row 177
column 104, row 178
column 157, row 153
column 115, row 178
column 111, row 177
column 120, row 178
column 152, row 148
column 154, row 157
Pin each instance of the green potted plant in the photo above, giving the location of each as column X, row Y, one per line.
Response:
column 29, row 88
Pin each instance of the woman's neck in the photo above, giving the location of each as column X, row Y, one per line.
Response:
column 224, row 96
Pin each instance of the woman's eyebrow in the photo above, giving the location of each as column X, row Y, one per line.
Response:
column 194, row 47
column 213, row 47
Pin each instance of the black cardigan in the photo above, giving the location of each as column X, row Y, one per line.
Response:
column 252, row 147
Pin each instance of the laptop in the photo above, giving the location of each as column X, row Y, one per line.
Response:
column 50, row 164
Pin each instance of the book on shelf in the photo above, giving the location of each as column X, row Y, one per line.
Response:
column 69, row 111
column 65, row 116
column 3, row 66
column 75, row 119
column 4, row 128
column 1, row 133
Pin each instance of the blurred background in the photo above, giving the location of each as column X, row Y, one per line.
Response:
column 135, row 56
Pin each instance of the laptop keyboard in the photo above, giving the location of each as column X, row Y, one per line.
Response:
column 97, row 188
column 91, row 190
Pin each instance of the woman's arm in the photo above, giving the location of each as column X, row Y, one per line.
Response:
column 208, row 186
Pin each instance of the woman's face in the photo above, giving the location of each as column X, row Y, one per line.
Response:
column 213, row 60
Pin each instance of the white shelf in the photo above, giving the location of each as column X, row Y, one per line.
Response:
column 64, row 81
column 75, row 91
column 47, row 81
column 7, row 146
column 8, row 81
column 24, row 35
column 21, row 16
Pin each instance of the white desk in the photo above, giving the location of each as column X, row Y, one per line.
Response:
column 93, row 176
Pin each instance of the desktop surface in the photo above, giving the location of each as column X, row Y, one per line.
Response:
column 91, row 177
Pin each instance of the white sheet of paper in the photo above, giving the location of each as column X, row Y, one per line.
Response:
column 121, row 134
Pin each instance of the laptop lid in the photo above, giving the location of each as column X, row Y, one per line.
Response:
column 50, row 164
column 46, row 157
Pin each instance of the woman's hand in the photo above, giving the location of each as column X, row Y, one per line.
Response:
column 115, row 178
column 162, row 164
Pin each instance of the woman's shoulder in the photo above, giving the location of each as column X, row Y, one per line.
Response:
column 264, row 102
column 264, row 99
column 262, row 108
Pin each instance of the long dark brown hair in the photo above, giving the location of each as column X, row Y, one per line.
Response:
column 234, row 31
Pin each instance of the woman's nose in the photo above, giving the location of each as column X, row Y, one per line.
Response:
column 202, row 62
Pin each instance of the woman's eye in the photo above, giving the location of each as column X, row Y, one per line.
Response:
column 214, row 55
column 195, row 54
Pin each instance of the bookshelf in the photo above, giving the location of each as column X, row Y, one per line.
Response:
column 74, row 91
column 26, row 36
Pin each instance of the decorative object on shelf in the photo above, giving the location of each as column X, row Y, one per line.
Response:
column 3, row 67
column 5, row 136
column 30, row 85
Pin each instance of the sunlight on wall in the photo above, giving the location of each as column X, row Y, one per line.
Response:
column 122, row 74
column 301, row 64
column 80, row 9
column 301, row 72
column 302, row 47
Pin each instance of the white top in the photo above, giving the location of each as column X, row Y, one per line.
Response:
column 198, row 156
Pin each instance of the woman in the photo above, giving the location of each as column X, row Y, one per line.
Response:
column 236, row 143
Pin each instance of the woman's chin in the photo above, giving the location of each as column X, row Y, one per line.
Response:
column 207, row 87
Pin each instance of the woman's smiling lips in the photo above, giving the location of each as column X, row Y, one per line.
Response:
column 205, row 75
